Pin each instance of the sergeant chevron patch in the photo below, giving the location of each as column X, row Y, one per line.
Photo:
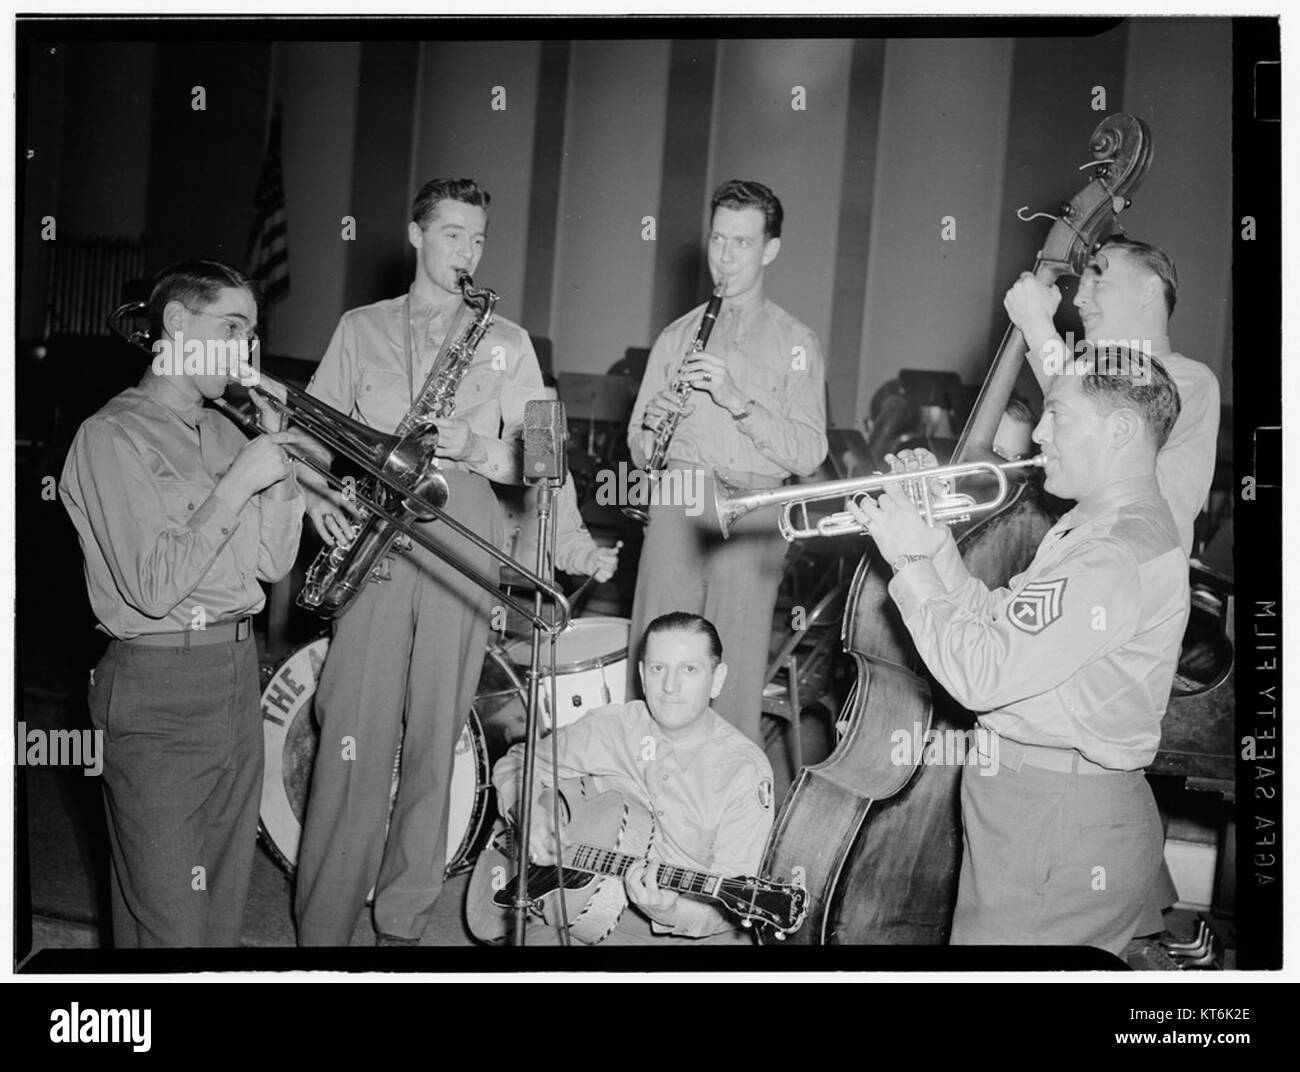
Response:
column 1037, row 605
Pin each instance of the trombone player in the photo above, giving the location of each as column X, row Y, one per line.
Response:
column 405, row 658
column 756, row 415
column 179, row 517
column 1069, row 667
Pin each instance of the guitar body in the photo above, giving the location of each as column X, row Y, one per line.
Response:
column 593, row 903
column 605, row 837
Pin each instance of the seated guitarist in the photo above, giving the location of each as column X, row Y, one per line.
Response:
column 708, row 786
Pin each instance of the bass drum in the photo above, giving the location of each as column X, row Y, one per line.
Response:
column 290, row 733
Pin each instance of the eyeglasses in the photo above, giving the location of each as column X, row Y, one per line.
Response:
column 236, row 329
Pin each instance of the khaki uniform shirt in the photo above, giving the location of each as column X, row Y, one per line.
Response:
column 364, row 374
column 162, row 553
column 1079, row 651
column 573, row 542
column 710, row 792
column 1185, row 465
column 777, row 362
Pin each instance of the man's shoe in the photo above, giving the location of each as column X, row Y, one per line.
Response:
column 393, row 939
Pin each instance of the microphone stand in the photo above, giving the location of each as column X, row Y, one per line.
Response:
column 546, row 487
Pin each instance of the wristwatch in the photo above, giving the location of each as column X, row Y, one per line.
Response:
column 905, row 560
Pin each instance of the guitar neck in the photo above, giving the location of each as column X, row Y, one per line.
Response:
column 598, row 861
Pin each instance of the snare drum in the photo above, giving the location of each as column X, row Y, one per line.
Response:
column 290, row 735
column 590, row 667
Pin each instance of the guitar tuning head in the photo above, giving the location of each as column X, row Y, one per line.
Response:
column 747, row 923
column 780, row 936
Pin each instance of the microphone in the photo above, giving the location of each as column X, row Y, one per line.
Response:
column 544, row 435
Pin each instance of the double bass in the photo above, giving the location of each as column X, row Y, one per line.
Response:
column 873, row 834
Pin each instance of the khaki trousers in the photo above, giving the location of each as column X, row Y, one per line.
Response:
column 1054, row 858
column 182, row 747
column 402, row 668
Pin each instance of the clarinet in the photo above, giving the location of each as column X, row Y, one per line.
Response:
column 681, row 390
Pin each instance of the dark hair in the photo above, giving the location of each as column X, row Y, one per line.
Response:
column 1116, row 379
column 193, row 283
column 739, row 193
column 1154, row 260
column 466, row 191
column 685, row 622
column 1019, row 409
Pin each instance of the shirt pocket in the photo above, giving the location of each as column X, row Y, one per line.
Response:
column 383, row 398
column 765, row 384
column 181, row 498
column 484, row 379
column 697, row 840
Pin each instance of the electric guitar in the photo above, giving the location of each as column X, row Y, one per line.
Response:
column 606, row 834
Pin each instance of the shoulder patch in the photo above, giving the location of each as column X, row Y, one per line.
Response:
column 1037, row 605
column 765, row 794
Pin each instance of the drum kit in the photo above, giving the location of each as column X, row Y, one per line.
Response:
column 590, row 672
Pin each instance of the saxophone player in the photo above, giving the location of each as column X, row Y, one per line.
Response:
column 755, row 415
column 406, row 656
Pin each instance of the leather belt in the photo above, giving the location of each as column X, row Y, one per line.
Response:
column 217, row 633
column 1014, row 755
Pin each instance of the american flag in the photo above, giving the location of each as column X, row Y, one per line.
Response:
column 268, row 245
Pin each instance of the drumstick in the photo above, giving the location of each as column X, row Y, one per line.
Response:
column 587, row 583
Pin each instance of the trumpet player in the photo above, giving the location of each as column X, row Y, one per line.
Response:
column 755, row 414
column 1069, row 667
column 179, row 516
column 406, row 656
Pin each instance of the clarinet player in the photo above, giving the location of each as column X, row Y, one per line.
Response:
column 754, row 413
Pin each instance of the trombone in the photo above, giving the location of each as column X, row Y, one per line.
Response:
column 946, row 505
column 403, row 466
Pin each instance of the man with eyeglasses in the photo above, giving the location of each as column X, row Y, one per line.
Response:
column 179, row 517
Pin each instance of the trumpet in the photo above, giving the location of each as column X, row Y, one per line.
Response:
column 401, row 465
column 947, row 506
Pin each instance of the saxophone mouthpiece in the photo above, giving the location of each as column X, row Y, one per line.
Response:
column 464, row 280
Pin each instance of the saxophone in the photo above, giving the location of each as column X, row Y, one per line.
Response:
column 338, row 573
column 681, row 390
